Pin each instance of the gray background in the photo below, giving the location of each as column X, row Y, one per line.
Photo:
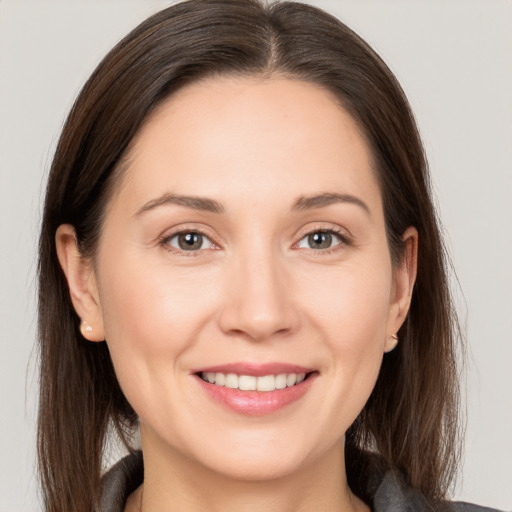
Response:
column 453, row 59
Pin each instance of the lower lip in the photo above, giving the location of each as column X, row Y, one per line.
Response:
column 257, row 403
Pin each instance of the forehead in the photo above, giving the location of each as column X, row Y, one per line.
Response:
column 248, row 136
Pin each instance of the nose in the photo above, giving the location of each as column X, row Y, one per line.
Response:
column 258, row 302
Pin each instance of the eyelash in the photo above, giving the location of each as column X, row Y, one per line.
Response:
column 344, row 241
column 164, row 242
column 343, row 237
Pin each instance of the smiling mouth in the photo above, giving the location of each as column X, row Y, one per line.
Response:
column 256, row 389
column 264, row 383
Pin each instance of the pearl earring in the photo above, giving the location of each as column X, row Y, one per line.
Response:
column 392, row 343
column 86, row 327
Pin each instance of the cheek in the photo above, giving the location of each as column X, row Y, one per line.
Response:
column 359, row 334
column 151, row 318
column 156, row 315
column 352, row 303
column 155, row 307
column 351, row 311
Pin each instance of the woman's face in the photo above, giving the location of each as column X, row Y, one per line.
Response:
column 246, row 245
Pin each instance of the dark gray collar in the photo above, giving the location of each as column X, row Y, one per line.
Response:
column 120, row 481
column 391, row 495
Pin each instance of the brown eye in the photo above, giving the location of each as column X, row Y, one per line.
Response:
column 320, row 240
column 190, row 241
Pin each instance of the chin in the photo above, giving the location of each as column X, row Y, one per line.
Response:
column 250, row 468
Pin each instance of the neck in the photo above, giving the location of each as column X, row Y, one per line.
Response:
column 173, row 482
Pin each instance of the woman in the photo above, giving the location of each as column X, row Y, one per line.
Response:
column 239, row 254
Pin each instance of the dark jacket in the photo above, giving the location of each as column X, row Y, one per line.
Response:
column 391, row 495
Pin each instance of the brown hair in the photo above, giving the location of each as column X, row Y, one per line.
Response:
column 410, row 419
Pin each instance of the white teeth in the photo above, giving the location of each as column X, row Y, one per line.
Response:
column 247, row 383
column 281, row 381
column 231, row 381
column 251, row 383
column 266, row 383
column 291, row 379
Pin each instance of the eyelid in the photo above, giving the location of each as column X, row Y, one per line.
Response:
column 178, row 230
column 343, row 234
column 313, row 227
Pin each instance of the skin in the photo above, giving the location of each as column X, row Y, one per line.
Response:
column 256, row 291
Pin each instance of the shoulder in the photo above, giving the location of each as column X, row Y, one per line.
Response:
column 460, row 506
column 394, row 495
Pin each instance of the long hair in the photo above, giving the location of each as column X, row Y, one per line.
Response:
column 410, row 420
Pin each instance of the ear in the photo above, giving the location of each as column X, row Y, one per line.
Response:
column 403, row 285
column 82, row 285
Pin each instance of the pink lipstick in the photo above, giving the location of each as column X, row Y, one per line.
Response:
column 255, row 389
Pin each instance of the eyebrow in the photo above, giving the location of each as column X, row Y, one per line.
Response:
column 197, row 203
column 210, row 205
column 326, row 199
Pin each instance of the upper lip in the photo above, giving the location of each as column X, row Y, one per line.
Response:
column 255, row 369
